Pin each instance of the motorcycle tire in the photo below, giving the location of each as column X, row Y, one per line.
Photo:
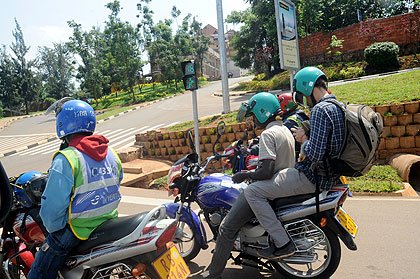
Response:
column 195, row 248
column 332, row 260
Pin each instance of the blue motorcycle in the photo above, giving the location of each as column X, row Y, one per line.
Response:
column 315, row 234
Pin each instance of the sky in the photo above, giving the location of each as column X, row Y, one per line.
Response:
column 45, row 21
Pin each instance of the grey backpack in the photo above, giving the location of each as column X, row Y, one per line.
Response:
column 363, row 127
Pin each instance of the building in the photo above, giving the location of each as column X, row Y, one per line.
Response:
column 211, row 63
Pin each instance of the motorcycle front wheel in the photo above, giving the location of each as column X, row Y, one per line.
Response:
column 328, row 254
column 186, row 241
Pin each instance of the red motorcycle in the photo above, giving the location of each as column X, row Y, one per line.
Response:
column 125, row 247
column 242, row 156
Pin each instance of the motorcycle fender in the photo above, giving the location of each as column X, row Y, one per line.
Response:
column 195, row 222
column 342, row 233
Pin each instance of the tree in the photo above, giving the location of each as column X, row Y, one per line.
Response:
column 200, row 43
column 162, row 50
column 57, row 71
column 257, row 33
column 122, row 55
column 9, row 96
column 27, row 83
column 89, row 46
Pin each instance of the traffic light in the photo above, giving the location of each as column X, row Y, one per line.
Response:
column 190, row 77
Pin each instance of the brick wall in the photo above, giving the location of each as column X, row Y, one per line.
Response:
column 403, row 30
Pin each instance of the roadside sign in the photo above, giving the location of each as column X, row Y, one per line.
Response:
column 287, row 35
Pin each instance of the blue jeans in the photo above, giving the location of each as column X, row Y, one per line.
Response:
column 53, row 254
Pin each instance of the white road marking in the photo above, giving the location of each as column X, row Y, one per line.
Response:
column 125, row 133
column 130, row 138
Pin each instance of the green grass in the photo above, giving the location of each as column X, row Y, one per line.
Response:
column 148, row 94
column 160, row 182
column 111, row 112
column 381, row 91
column 378, row 179
column 204, row 122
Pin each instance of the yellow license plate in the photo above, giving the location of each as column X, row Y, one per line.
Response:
column 343, row 180
column 345, row 220
column 171, row 265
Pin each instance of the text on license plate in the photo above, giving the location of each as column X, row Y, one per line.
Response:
column 170, row 265
column 346, row 221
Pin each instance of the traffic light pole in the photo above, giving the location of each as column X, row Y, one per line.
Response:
column 191, row 83
column 196, row 130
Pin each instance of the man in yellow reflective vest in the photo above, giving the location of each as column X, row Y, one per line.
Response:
column 82, row 190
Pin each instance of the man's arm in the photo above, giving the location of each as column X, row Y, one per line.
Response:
column 265, row 171
column 56, row 197
column 267, row 156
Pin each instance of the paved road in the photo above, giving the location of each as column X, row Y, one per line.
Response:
column 120, row 130
column 388, row 239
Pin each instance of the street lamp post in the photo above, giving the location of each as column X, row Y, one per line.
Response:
column 222, row 49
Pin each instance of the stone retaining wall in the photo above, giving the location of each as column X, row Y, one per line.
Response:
column 401, row 135
column 401, row 129
column 174, row 145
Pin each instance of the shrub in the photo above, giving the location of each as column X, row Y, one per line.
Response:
column 382, row 55
column 352, row 72
column 280, row 81
column 260, row 77
column 1, row 112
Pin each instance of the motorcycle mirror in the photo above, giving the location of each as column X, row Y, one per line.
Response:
column 221, row 128
column 191, row 142
column 220, row 131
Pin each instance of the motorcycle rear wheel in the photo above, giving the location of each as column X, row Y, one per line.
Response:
column 186, row 241
column 16, row 272
column 329, row 250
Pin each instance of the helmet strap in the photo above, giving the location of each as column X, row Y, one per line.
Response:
column 313, row 100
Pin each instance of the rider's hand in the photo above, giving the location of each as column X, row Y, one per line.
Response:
column 174, row 192
column 240, row 176
column 299, row 134
column 244, row 150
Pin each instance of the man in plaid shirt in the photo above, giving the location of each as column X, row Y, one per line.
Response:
column 326, row 138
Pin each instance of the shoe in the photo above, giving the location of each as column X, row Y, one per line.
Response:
column 273, row 252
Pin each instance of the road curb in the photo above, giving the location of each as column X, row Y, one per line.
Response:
column 408, row 191
column 27, row 147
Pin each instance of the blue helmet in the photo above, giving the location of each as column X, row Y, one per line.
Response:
column 75, row 116
column 22, row 183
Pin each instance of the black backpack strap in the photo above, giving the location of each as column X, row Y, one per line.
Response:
column 317, row 191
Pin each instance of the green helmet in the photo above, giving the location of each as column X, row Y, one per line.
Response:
column 263, row 105
column 304, row 82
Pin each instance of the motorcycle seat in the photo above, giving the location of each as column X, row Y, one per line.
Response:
column 279, row 202
column 110, row 231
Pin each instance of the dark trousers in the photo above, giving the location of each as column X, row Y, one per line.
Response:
column 237, row 217
column 53, row 254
